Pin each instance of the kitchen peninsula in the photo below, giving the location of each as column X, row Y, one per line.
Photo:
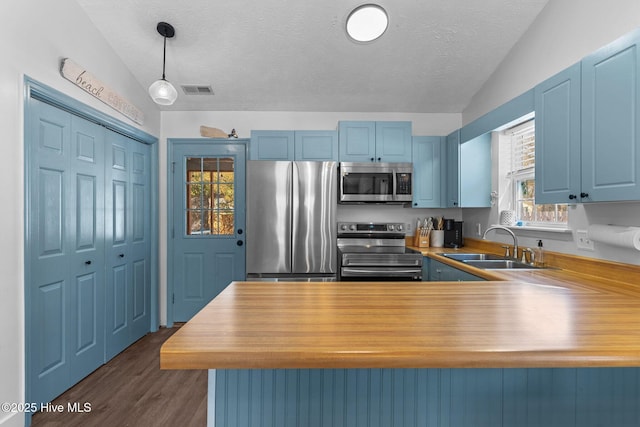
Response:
column 562, row 350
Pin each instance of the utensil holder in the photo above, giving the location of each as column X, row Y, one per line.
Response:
column 437, row 238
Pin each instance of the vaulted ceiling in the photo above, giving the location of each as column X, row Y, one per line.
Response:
column 294, row 55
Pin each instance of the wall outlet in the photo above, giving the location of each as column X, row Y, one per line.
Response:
column 583, row 241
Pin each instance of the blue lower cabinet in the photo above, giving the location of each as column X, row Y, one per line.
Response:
column 469, row 397
column 437, row 271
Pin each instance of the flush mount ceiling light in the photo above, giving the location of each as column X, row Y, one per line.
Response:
column 162, row 92
column 366, row 23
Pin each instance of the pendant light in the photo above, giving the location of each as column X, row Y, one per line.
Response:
column 162, row 92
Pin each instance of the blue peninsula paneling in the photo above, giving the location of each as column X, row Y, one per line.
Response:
column 465, row 397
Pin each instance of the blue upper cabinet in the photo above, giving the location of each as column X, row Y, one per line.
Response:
column 393, row 142
column 557, row 104
column 453, row 168
column 321, row 145
column 475, row 172
column 428, row 153
column 375, row 141
column 272, row 145
column 468, row 171
column 611, row 121
column 285, row 145
column 588, row 128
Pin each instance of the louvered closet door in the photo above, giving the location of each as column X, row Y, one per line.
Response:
column 127, row 241
column 65, row 290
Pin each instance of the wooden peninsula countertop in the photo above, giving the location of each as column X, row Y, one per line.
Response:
column 553, row 318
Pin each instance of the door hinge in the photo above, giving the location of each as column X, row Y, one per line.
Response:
column 173, row 167
column 173, row 298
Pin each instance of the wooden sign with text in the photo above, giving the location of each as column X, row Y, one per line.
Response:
column 86, row 81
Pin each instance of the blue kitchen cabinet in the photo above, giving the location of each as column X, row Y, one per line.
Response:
column 475, row 172
column 558, row 171
column 366, row 141
column 453, row 167
column 428, row 155
column 272, row 145
column 437, row 271
column 611, row 122
column 320, row 145
column 468, row 171
column 286, row 145
column 588, row 128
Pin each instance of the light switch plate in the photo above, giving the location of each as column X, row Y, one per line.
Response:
column 583, row 241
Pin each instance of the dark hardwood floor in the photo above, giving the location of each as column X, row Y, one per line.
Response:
column 131, row 390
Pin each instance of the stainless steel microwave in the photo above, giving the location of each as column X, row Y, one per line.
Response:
column 375, row 182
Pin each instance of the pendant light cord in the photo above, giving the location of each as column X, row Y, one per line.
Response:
column 164, row 56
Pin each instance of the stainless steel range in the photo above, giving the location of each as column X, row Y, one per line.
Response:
column 376, row 251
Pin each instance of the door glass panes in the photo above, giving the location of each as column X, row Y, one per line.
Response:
column 210, row 201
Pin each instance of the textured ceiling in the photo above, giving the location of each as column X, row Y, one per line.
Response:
column 293, row 55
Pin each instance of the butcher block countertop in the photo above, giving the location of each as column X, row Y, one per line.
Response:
column 543, row 318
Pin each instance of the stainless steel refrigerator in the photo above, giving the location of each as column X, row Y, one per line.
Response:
column 291, row 220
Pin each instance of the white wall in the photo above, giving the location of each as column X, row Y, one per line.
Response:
column 38, row 35
column 564, row 32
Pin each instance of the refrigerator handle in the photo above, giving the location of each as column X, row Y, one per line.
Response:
column 294, row 205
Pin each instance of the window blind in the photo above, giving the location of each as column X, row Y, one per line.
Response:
column 523, row 147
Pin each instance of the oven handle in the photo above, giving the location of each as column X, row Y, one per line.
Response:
column 350, row 272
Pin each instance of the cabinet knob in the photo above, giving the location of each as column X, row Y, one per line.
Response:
column 572, row 196
column 239, row 243
column 88, row 262
column 379, row 159
column 121, row 255
column 373, row 160
column 584, row 195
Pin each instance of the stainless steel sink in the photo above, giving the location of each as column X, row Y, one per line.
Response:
column 499, row 264
column 489, row 261
column 472, row 257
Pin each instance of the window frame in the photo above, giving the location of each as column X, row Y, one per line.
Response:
column 516, row 176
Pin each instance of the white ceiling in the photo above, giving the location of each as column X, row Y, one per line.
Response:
column 294, row 55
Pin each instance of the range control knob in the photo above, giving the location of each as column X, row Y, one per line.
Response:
column 352, row 227
column 343, row 227
column 390, row 227
column 399, row 227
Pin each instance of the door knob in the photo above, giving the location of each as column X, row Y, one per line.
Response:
column 239, row 243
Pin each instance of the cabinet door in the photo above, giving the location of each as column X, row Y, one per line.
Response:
column 453, row 167
column 393, row 142
column 272, row 145
column 557, row 103
column 427, row 167
column 357, row 141
column 611, row 122
column 475, row 172
column 441, row 272
column 320, row 145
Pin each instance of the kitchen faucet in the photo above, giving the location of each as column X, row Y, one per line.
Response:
column 500, row 227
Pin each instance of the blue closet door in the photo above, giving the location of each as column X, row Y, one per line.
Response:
column 127, row 242
column 65, row 223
